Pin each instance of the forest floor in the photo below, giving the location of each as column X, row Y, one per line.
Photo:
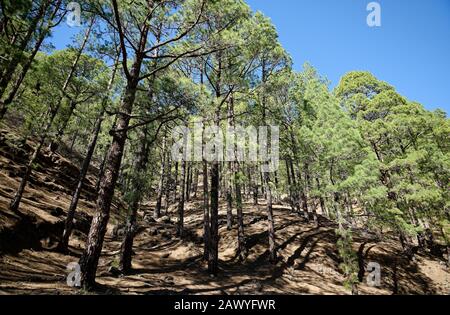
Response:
column 163, row 264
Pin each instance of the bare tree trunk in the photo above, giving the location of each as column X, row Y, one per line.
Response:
column 180, row 225
column 195, row 183
column 206, row 221
column 94, row 244
column 270, row 220
column 322, row 201
column 229, row 192
column 177, row 183
column 268, row 183
column 254, row 182
column 213, row 255
column 85, row 166
column 167, row 184
column 291, row 198
column 235, row 168
column 157, row 213
column 188, row 182
column 68, row 226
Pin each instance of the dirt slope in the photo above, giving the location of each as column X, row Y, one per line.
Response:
column 163, row 264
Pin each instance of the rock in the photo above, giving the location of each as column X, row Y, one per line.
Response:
column 57, row 212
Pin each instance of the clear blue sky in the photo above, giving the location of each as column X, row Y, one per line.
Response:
column 411, row 49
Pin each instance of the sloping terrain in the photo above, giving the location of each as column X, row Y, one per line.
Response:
column 163, row 264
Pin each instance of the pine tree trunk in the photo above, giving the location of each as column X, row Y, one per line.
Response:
column 270, row 220
column 255, row 188
column 195, row 183
column 15, row 202
column 157, row 213
column 177, row 183
column 323, row 208
column 291, row 198
column 85, row 166
column 206, row 217
column 180, row 225
column 235, row 168
column 266, row 181
column 167, row 184
column 68, row 226
column 94, row 244
column 188, row 182
column 126, row 252
column 213, row 255
column 229, row 192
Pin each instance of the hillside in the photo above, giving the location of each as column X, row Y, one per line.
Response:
column 164, row 264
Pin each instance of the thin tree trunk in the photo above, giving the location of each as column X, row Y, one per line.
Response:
column 14, row 206
column 68, row 226
column 206, row 218
column 126, row 251
column 291, row 198
column 255, row 188
column 206, row 221
column 213, row 255
column 175, row 191
column 270, row 220
column 167, row 185
column 180, row 224
column 188, row 182
column 157, row 213
column 229, row 192
column 195, row 183
column 322, row 201
column 94, row 244
column 236, row 170
column 268, row 183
